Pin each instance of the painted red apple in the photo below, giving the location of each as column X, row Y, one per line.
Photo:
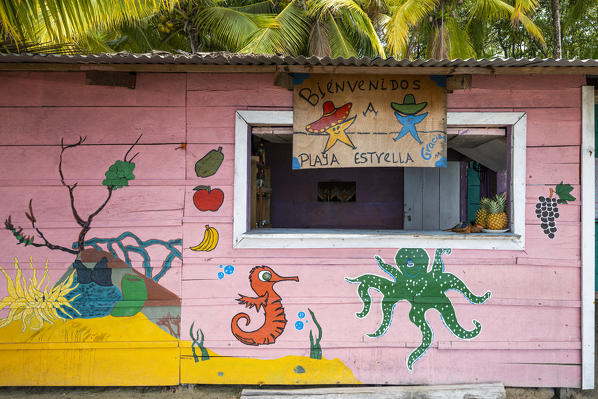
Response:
column 206, row 199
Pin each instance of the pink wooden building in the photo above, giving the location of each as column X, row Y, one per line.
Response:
column 158, row 231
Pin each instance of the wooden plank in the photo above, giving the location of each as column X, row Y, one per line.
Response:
column 527, row 82
column 90, row 162
column 449, row 195
column 482, row 391
column 558, row 288
column 35, row 89
column 413, row 197
column 477, row 98
column 549, row 174
column 431, row 199
column 211, row 117
column 553, row 127
column 261, row 97
column 47, row 125
column 588, row 239
column 149, row 205
column 229, row 81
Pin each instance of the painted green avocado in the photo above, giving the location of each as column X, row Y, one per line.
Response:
column 210, row 163
column 134, row 296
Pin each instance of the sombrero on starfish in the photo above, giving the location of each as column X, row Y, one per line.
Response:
column 331, row 116
column 409, row 106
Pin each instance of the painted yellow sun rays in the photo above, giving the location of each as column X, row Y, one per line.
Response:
column 31, row 303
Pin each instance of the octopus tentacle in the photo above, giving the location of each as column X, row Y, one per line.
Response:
column 387, row 311
column 417, row 317
column 451, row 282
column 438, row 266
column 447, row 312
column 366, row 282
column 393, row 271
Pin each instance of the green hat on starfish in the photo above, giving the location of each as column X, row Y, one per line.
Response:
column 409, row 106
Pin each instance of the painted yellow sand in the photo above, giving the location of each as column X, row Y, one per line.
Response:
column 285, row 370
column 101, row 351
column 122, row 351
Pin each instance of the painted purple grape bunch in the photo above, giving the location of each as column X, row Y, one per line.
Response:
column 547, row 209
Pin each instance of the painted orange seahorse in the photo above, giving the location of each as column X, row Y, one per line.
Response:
column 262, row 280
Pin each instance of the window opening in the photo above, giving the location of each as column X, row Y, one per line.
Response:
column 337, row 191
column 503, row 154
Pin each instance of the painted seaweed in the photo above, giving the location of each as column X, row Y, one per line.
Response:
column 195, row 337
column 315, row 350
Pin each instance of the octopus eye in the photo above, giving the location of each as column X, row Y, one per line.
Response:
column 410, row 262
column 264, row 275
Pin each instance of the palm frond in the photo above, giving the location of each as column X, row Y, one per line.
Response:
column 490, row 10
column 339, row 43
column 405, row 16
column 531, row 28
column 64, row 20
column 319, row 45
column 230, row 27
column 459, row 42
column 288, row 34
column 261, row 7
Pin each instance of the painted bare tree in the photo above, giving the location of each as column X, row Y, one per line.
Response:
column 117, row 176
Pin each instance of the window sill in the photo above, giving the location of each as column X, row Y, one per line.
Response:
column 339, row 238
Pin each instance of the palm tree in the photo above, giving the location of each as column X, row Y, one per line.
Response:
column 401, row 28
column 77, row 22
column 448, row 27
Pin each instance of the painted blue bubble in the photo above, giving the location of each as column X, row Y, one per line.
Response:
column 298, row 78
column 299, row 325
column 440, row 80
column 301, row 315
column 220, row 266
column 229, row 269
column 220, row 275
column 295, row 164
column 441, row 163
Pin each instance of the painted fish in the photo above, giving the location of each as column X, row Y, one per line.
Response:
column 262, row 280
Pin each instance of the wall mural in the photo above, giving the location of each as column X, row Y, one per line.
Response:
column 98, row 283
column 262, row 280
column 333, row 123
column 209, row 241
column 227, row 270
column 406, row 115
column 199, row 343
column 32, row 303
column 547, row 209
column 375, row 134
column 411, row 281
column 137, row 246
column 207, row 199
column 209, row 164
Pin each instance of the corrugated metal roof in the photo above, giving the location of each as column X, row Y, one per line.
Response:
column 224, row 58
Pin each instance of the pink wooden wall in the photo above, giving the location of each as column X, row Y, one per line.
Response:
column 530, row 325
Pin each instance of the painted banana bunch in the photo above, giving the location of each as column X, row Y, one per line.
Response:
column 209, row 242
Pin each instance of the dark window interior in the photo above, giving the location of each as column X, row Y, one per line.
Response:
column 377, row 202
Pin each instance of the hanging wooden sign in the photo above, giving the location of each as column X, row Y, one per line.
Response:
column 347, row 121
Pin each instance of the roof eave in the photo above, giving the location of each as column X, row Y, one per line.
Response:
column 382, row 70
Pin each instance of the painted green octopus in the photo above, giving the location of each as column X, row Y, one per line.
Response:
column 423, row 289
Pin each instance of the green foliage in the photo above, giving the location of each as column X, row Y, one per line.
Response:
column 119, row 174
column 399, row 28
column 564, row 192
column 315, row 350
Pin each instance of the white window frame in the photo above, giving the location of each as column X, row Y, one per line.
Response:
column 245, row 237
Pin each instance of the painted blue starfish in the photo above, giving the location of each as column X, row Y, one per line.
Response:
column 409, row 122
